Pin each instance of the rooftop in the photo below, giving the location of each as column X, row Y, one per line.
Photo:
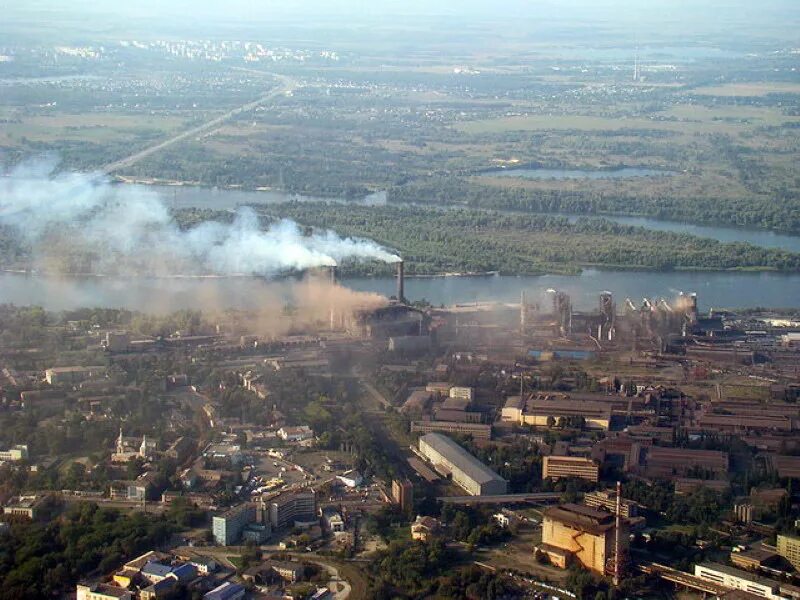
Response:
column 460, row 458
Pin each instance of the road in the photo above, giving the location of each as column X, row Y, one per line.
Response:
column 286, row 85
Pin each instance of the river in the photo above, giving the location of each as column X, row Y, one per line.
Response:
column 731, row 289
column 736, row 289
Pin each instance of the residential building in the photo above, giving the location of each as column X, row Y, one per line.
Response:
column 450, row 459
column 287, row 570
column 476, row 430
column 558, row 467
column 573, row 532
column 737, row 579
column 332, row 519
column 227, row 527
column 295, row 434
column 789, row 548
column 102, row 591
column 423, row 528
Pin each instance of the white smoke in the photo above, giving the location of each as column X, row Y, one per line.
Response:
column 129, row 230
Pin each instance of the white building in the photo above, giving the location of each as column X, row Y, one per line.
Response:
column 465, row 393
column 15, row 453
column 351, row 479
column 737, row 579
column 295, row 434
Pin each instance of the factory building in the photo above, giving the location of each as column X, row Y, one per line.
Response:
column 72, row 375
column 603, row 499
column 541, row 410
column 467, row 471
column 736, row 579
column 476, row 430
column 559, row 467
column 681, row 462
column 572, row 532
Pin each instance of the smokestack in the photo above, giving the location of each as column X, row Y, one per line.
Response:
column 401, row 297
column 617, row 524
column 332, row 273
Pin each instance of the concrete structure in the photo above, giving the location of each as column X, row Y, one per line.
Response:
column 476, row 430
column 607, row 500
column 423, row 528
column 102, row 591
column 287, row 570
column 789, row 548
column 736, row 579
column 228, row 527
column 72, row 375
column 16, row 453
column 332, row 519
column 295, row 434
column 466, row 393
column 542, row 410
column 226, row 591
column 403, row 494
column 292, row 507
column 683, row 462
column 467, row 471
column 24, row 506
column 117, row 341
column 559, row 467
column 586, row 535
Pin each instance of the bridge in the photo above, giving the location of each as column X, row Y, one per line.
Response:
column 502, row 498
column 683, row 579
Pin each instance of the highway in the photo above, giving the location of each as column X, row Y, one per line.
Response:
column 286, row 85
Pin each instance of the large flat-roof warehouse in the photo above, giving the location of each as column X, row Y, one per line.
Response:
column 467, row 471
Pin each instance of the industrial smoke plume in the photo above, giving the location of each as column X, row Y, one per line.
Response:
column 80, row 222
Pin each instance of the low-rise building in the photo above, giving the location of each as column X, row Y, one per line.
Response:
column 102, row 591
column 226, row 591
column 332, row 519
column 467, row 471
column 545, row 410
column 295, row 434
column 24, row 506
column 287, row 570
column 16, row 453
column 73, row 375
column 736, row 579
column 476, row 430
column 423, row 528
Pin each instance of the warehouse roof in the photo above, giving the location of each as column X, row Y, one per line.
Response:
column 460, row 458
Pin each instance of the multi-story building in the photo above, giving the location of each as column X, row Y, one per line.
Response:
column 292, row 507
column 16, row 453
column 789, row 548
column 227, row 527
column 558, row 467
column 467, row 471
column 476, row 430
column 403, row 494
column 467, row 393
column 608, row 500
column 583, row 534
column 736, row 579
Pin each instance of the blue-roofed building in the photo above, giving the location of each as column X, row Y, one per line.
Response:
column 184, row 573
column 227, row 591
column 157, row 591
column 156, row 571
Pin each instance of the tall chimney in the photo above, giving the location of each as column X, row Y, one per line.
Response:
column 332, row 273
column 401, row 297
